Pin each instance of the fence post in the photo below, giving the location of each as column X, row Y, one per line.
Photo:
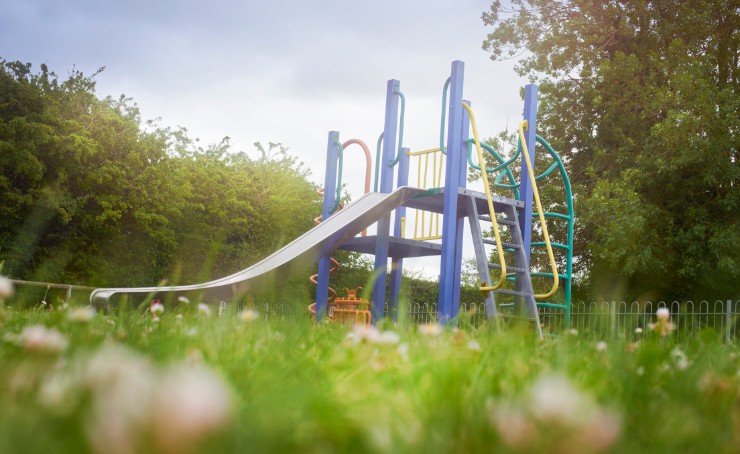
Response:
column 728, row 321
column 613, row 317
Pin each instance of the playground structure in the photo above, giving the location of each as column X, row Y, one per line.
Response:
column 446, row 200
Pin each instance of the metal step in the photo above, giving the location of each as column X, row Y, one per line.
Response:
column 484, row 217
column 505, row 245
column 496, row 266
column 511, row 292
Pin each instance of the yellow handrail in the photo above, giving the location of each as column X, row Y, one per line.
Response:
column 499, row 248
column 420, row 152
column 522, row 126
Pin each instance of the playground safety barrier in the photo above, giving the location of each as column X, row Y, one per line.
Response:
column 603, row 320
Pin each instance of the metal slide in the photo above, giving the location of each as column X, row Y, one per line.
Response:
column 295, row 256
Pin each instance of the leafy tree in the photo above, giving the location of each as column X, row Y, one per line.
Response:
column 93, row 195
column 641, row 99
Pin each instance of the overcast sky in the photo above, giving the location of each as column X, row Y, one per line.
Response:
column 283, row 71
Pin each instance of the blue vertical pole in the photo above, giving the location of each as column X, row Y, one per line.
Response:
column 330, row 189
column 455, row 158
column 463, row 179
column 397, row 264
column 386, row 186
column 525, row 191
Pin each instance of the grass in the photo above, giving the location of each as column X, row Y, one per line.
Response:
column 291, row 386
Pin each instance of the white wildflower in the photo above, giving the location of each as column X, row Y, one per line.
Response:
column 6, row 287
column 663, row 314
column 679, row 357
column 58, row 393
column 599, row 433
column 601, row 346
column 190, row 403
column 122, row 386
column 42, row 339
column 179, row 316
column 430, row 329
column 157, row 309
column 516, row 429
column 663, row 326
column 638, row 330
column 363, row 333
column 388, row 337
column 183, row 299
column 81, row 314
column 554, row 398
column 474, row 346
column 204, row 309
column 248, row 315
column 403, row 350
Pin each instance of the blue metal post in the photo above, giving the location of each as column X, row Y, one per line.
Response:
column 455, row 158
column 330, row 189
column 397, row 263
column 386, row 186
column 525, row 191
column 463, row 179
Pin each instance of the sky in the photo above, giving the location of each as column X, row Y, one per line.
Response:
column 274, row 71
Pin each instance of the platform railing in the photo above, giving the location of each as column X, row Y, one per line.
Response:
column 429, row 174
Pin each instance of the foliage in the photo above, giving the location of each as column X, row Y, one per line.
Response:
column 93, row 195
column 297, row 387
column 641, row 99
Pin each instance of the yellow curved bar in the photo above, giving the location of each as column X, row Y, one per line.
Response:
column 522, row 126
column 420, row 152
column 499, row 248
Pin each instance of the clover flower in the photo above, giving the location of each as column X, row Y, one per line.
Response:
column 663, row 326
column 556, row 417
column 134, row 406
column 388, row 337
column 204, row 309
column 363, row 333
column 430, row 329
column 38, row 338
column 248, row 315
column 183, row 299
column 663, row 314
column 679, row 357
column 157, row 309
column 190, row 403
column 81, row 314
column 6, row 287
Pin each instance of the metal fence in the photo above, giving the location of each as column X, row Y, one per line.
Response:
column 621, row 320
column 606, row 320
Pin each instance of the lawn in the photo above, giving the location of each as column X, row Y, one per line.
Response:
column 189, row 380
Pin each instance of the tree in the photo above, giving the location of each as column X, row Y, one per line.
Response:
column 93, row 195
column 641, row 99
